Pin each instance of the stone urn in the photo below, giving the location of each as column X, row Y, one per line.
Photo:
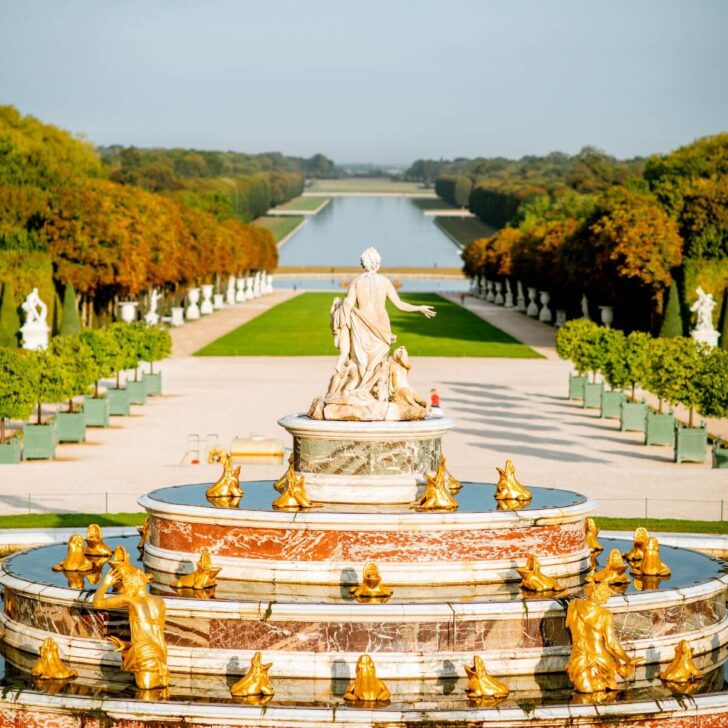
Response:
column 520, row 298
column 206, row 305
column 498, row 299
column 218, row 301
column 178, row 316
column 230, row 292
column 532, row 309
column 127, row 310
column 607, row 315
column 249, row 288
column 270, row 283
column 193, row 308
column 560, row 318
column 489, row 291
column 239, row 290
column 544, row 314
column 509, row 294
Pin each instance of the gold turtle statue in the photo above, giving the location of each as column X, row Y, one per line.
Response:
column 366, row 687
column 651, row 564
column 95, row 546
column 532, row 578
column 256, row 681
column 371, row 589
column 203, row 577
column 481, row 684
column 75, row 557
column 508, row 487
column 50, row 666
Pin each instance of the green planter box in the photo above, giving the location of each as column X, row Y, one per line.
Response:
column 118, row 402
column 633, row 417
column 720, row 455
column 660, row 428
column 691, row 444
column 10, row 452
column 39, row 442
column 137, row 392
column 576, row 386
column 96, row 411
column 71, row 426
column 153, row 383
column 612, row 404
column 593, row 394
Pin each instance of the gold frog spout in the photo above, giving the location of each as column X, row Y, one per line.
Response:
column 366, row 687
column 592, row 531
column 651, row 564
column 294, row 496
column 50, row 666
column 682, row 669
column 532, row 578
column 444, row 475
column 280, row 484
column 371, row 589
column 204, row 575
column 481, row 684
column 614, row 573
column 95, row 546
column 508, row 487
column 228, row 484
column 638, row 547
column 437, row 496
column 75, row 558
column 256, row 681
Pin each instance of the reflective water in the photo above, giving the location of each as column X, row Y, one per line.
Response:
column 473, row 498
column 409, row 285
column 394, row 225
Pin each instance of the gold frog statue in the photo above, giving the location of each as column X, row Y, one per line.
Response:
column 651, row 564
column 366, row 687
column 50, row 666
column 203, row 577
column 75, row 557
column 481, row 684
column 95, row 546
column 294, row 496
column 371, row 589
column 682, row 669
column 227, row 486
column 533, row 579
column 256, row 681
column 508, row 487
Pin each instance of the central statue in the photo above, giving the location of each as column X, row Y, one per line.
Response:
column 368, row 383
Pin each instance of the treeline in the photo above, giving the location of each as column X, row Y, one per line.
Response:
column 62, row 221
column 625, row 244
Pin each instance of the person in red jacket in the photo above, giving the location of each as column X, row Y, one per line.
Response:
column 434, row 398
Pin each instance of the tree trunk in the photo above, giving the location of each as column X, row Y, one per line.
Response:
column 633, row 391
column 70, row 404
column 690, row 418
column 2, row 430
column 118, row 383
column 40, row 421
column 96, row 389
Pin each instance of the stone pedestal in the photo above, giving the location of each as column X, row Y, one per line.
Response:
column 704, row 336
column 239, row 290
column 249, row 288
column 520, row 298
column 365, row 462
column 498, row 298
column 35, row 335
column 532, row 309
column 178, row 316
column 607, row 313
column 218, row 301
column 509, row 295
column 230, row 292
column 193, row 308
column 206, row 306
column 545, row 312
column 127, row 310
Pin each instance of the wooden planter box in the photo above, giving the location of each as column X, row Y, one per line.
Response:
column 633, row 417
column 71, row 426
column 691, row 444
column 118, row 402
column 720, row 455
column 612, row 404
column 10, row 452
column 137, row 392
column 96, row 411
column 153, row 383
column 660, row 428
column 576, row 386
column 593, row 394
column 39, row 442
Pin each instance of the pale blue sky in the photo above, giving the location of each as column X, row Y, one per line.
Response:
column 381, row 80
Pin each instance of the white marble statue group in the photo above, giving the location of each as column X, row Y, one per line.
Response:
column 369, row 383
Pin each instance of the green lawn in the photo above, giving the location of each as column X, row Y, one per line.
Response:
column 300, row 327
column 366, row 184
column 280, row 226
column 662, row 524
column 465, row 229
column 303, row 203
column 432, row 203
column 71, row 520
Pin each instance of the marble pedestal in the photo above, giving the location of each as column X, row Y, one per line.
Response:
column 365, row 462
column 35, row 335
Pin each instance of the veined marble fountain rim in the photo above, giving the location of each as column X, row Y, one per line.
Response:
column 301, row 425
column 352, row 521
column 339, row 714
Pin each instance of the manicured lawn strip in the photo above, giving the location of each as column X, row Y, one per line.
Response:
column 661, row 524
column 366, row 184
column 302, row 203
column 300, row 327
column 465, row 229
column 71, row 520
column 280, row 226
column 432, row 203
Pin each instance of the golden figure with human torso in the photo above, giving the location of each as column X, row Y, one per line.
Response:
column 367, row 383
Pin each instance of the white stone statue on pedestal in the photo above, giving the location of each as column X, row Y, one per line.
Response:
column 498, row 298
column 256, row 285
column 151, row 316
column 249, row 288
column 545, row 312
column 193, row 309
column 585, row 308
column 532, row 309
column 704, row 330
column 368, row 383
column 230, row 292
column 560, row 318
column 34, row 330
column 239, row 290
column 520, row 298
column 607, row 314
column 489, row 291
column 206, row 305
column 270, row 283
column 509, row 294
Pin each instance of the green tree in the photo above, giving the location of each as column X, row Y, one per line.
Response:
column 78, row 359
column 577, row 341
column 127, row 337
column 70, row 323
column 9, row 318
column 613, row 344
column 106, row 355
column 723, row 322
column 636, row 358
column 155, row 345
column 16, row 399
column 49, row 379
column 672, row 321
column 714, row 387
